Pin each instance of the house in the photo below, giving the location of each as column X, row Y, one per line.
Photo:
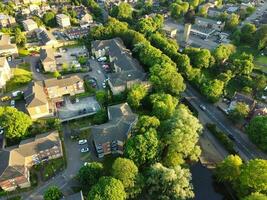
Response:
column 6, row 48
column 6, row 20
column 46, row 38
column 48, row 60
column 76, row 32
column 259, row 110
column 170, row 31
column 86, row 20
column 209, row 23
column 215, row 12
column 110, row 137
column 36, row 101
column 63, row 20
column 56, row 88
column 29, row 25
column 76, row 196
column 238, row 97
column 16, row 161
column 127, row 70
column 5, row 73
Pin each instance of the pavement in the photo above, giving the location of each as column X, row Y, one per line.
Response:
column 259, row 11
column 97, row 72
column 247, row 150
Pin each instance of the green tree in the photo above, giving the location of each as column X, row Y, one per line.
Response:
column 166, row 78
column 200, row 58
column 122, row 12
column 15, row 122
column 180, row 135
column 253, row 177
column 163, row 105
column 169, row 183
column 56, row 74
column 126, row 171
column 229, row 169
column 143, row 148
column 256, row 196
column 146, row 123
column 257, row 131
column 89, row 174
column 240, row 112
column 49, row 19
column 243, row 64
column 102, row 97
column 136, row 94
column 53, row 193
column 179, row 9
column 223, row 52
column 107, row 188
column 20, row 38
column 203, row 11
column 213, row 89
column 261, row 37
column 260, row 82
column 248, row 33
column 232, row 22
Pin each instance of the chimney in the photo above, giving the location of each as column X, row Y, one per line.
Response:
column 187, row 29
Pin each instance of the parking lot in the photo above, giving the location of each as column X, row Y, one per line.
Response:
column 69, row 57
column 80, row 108
column 97, row 73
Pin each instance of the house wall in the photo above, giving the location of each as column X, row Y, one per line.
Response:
column 5, row 74
column 12, row 184
column 54, row 92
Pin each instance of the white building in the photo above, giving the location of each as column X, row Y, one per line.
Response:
column 63, row 20
column 6, row 48
column 29, row 25
column 5, row 72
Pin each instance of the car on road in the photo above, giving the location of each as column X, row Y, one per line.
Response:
column 84, row 150
column 202, row 107
column 12, row 103
column 104, row 85
column 231, row 137
column 98, row 71
column 5, row 98
column 1, row 130
column 82, row 142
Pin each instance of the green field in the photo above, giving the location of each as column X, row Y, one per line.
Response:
column 21, row 77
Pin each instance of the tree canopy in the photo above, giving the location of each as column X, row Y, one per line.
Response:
column 15, row 122
column 169, row 183
column 122, row 12
column 146, row 123
column 49, row 19
column 257, row 131
column 136, row 94
column 53, row 193
column 181, row 134
column 240, row 112
column 107, row 188
column 163, row 105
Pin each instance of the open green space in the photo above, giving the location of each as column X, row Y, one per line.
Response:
column 21, row 77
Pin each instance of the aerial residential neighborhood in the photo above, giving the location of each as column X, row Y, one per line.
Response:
column 116, row 100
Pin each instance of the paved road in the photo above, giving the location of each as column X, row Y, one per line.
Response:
column 246, row 149
column 33, row 60
column 259, row 11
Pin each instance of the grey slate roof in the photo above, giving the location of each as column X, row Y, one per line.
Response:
column 122, row 60
column 47, row 55
column 121, row 119
column 34, row 95
column 63, row 82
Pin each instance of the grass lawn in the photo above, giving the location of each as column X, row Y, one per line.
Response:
column 81, row 123
column 21, row 78
column 24, row 52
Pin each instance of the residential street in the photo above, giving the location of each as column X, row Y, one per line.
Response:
column 246, row 149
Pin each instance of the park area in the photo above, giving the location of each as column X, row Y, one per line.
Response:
column 21, row 77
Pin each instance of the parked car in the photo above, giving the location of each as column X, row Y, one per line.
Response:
column 82, row 142
column 12, row 103
column 16, row 93
column 5, row 98
column 84, row 150
column 101, row 59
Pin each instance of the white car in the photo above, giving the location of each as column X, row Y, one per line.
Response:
column 84, row 150
column 12, row 103
column 82, row 142
column 86, row 163
column 104, row 85
column 1, row 131
column 102, row 59
column 16, row 93
column 202, row 107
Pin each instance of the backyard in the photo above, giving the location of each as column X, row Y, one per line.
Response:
column 21, row 77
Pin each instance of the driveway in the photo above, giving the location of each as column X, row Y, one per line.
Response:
column 97, row 72
column 33, row 60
